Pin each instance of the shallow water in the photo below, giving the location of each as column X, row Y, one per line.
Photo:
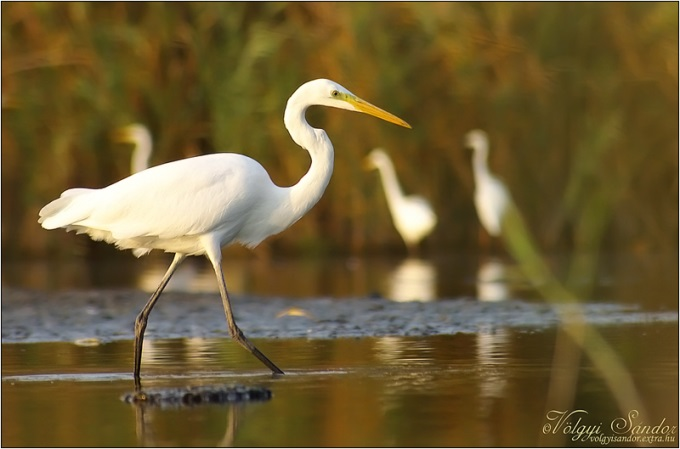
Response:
column 496, row 373
column 649, row 281
column 484, row 389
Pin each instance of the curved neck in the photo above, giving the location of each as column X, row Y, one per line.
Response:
column 307, row 192
column 480, row 167
column 141, row 153
column 390, row 183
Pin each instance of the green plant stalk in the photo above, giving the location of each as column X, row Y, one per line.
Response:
column 570, row 312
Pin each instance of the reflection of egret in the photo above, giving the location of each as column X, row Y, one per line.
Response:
column 407, row 352
column 492, row 349
column 501, row 217
column 149, row 433
column 192, row 351
column 410, row 365
column 412, row 215
column 390, row 349
column 140, row 138
column 492, row 284
column 491, row 196
column 492, row 361
column 197, row 205
column 413, row 280
column 189, row 277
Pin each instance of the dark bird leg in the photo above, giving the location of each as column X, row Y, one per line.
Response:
column 142, row 318
column 234, row 331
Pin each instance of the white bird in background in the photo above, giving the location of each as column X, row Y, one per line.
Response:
column 491, row 196
column 500, row 217
column 412, row 215
column 140, row 137
column 196, row 206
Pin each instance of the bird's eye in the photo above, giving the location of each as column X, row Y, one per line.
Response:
column 335, row 93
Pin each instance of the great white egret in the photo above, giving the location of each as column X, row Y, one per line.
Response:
column 501, row 217
column 413, row 280
column 196, row 206
column 140, row 138
column 412, row 215
column 491, row 196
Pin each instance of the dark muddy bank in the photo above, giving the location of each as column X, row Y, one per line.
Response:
column 106, row 315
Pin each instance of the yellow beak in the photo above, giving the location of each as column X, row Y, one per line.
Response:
column 368, row 108
column 121, row 135
column 368, row 164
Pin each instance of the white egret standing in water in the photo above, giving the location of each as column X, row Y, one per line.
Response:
column 196, row 206
column 140, row 138
column 491, row 195
column 412, row 215
column 500, row 217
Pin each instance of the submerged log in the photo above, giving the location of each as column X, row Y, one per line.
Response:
column 197, row 395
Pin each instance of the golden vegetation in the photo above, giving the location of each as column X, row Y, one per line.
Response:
column 580, row 102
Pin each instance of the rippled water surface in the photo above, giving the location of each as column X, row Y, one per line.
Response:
column 650, row 281
column 501, row 384
column 485, row 389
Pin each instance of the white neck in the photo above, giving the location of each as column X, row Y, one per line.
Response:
column 480, row 167
column 307, row 192
column 390, row 183
column 141, row 153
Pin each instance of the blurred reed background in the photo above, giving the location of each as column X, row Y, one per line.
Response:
column 580, row 101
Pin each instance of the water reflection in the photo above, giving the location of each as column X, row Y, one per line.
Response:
column 492, row 284
column 410, row 363
column 189, row 277
column 651, row 281
column 402, row 350
column 493, row 345
column 264, row 276
column 150, row 433
column 194, row 275
column 413, row 280
column 194, row 353
column 484, row 389
column 492, row 349
column 191, row 358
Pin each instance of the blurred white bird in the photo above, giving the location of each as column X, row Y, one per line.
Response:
column 139, row 136
column 491, row 196
column 501, row 217
column 412, row 215
column 198, row 205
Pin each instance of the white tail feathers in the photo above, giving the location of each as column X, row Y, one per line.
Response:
column 67, row 209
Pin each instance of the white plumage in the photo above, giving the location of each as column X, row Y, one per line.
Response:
column 196, row 206
column 412, row 215
column 168, row 207
column 491, row 195
column 140, row 137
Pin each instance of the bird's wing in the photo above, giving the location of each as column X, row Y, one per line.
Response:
column 188, row 197
column 491, row 200
column 416, row 215
column 61, row 211
column 420, row 203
